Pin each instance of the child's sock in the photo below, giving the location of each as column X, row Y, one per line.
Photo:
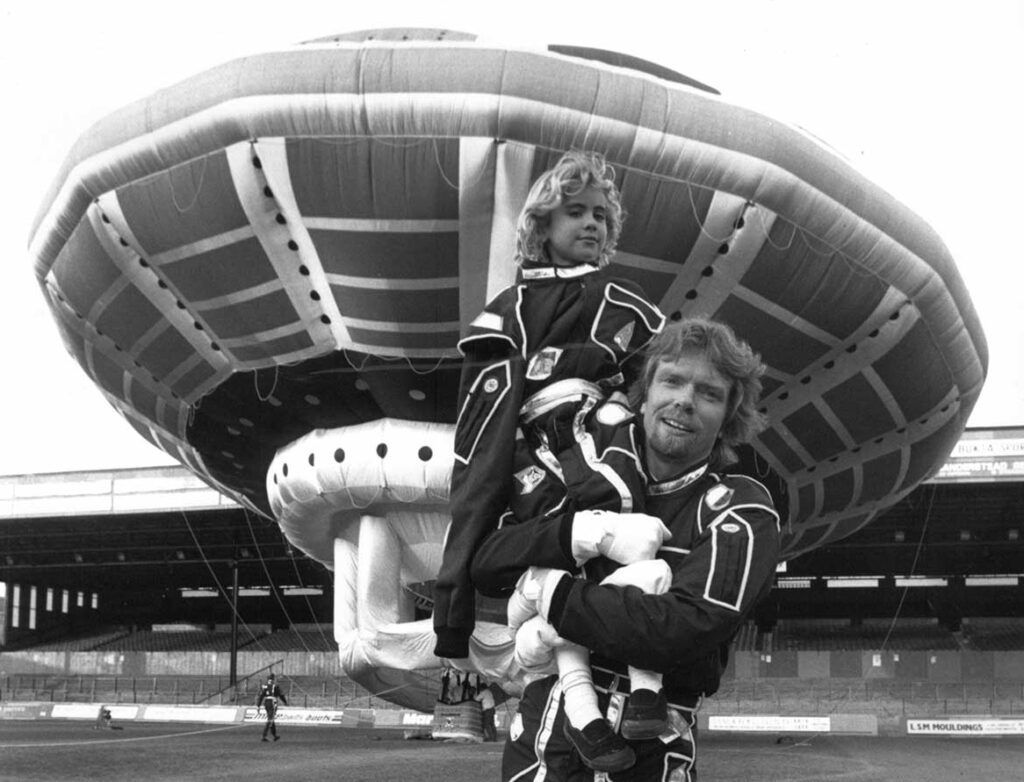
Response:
column 577, row 686
column 580, row 700
column 644, row 680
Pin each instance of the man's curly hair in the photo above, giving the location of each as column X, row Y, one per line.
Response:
column 731, row 356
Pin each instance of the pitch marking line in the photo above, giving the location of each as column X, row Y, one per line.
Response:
column 120, row 741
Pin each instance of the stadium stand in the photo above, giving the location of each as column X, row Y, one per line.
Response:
column 185, row 638
column 177, row 640
column 746, row 639
column 85, row 642
column 298, row 639
column 993, row 634
column 913, row 666
column 301, row 691
column 871, row 634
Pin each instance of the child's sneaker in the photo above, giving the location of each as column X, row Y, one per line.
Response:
column 645, row 715
column 600, row 747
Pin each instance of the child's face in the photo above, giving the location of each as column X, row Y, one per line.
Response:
column 578, row 229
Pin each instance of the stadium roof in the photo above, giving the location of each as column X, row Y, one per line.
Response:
column 153, row 529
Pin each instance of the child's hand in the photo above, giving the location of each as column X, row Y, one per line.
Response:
column 622, row 537
column 520, row 609
column 533, row 594
column 536, row 641
column 653, row 576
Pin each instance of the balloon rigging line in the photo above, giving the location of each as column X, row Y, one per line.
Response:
column 198, row 187
column 415, row 371
column 361, row 365
column 256, row 639
column 270, row 580
column 256, row 384
column 351, row 363
column 277, row 594
column 797, row 230
column 766, row 230
column 331, row 141
column 454, row 185
column 913, row 567
column 899, row 607
column 309, row 604
column 697, row 218
column 700, row 223
column 425, row 680
column 220, row 587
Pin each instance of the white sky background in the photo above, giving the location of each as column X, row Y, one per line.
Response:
column 926, row 98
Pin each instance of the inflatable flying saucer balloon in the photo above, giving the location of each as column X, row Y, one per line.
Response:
column 266, row 269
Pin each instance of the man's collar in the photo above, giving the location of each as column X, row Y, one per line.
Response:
column 679, row 482
column 551, row 272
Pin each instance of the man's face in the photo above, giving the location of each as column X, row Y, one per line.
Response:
column 683, row 413
column 578, row 229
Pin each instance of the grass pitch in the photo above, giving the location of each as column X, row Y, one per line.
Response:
column 59, row 750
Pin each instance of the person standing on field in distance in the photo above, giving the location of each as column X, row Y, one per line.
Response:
column 697, row 398
column 485, row 697
column 267, row 698
column 553, row 350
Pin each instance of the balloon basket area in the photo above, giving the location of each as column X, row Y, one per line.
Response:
column 458, row 721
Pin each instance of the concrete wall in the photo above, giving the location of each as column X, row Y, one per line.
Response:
column 166, row 663
column 939, row 668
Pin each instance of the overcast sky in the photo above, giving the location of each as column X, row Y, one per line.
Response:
column 924, row 97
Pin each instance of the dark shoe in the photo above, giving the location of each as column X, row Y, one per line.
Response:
column 276, row 738
column 645, row 715
column 600, row 748
column 263, row 739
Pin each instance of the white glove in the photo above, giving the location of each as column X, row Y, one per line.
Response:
column 653, row 576
column 533, row 594
column 622, row 537
column 536, row 641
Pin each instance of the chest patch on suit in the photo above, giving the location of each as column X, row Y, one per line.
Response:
column 612, row 414
column 718, row 496
column 624, row 335
column 529, row 479
column 543, row 364
column 732, row 547
column 489, row 321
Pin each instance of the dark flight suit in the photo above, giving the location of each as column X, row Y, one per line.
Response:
column 577, row 332
column 268, row 697
column 723, row 553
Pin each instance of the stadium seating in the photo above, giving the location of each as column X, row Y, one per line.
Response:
column 86, row 642
column 993, row 634
column 193, row 640
column 310, row 638
column 874, row 634
column 299, row 639
column 806, row 666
